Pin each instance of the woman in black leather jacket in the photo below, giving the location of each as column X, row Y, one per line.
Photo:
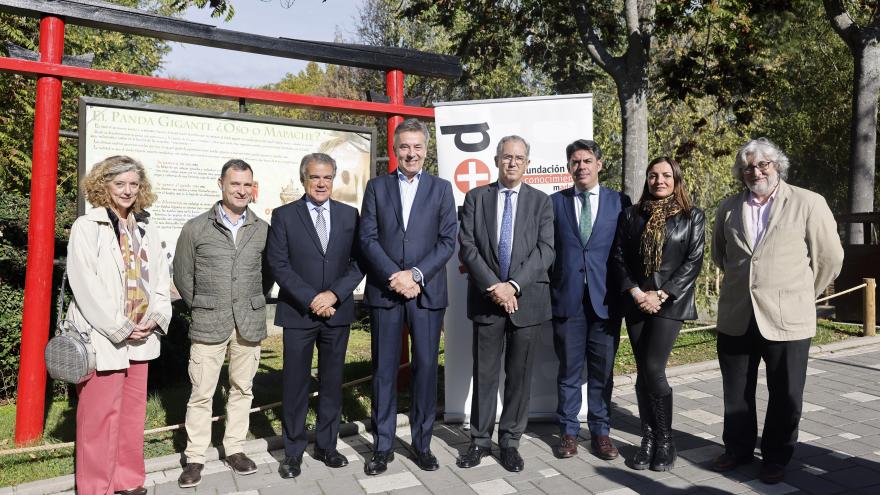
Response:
column 657, row 255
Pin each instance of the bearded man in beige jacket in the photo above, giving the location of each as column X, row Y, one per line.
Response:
column 778, row 247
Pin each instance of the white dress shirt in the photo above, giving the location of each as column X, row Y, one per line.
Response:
column 314, row 214
column 233, row 227
column 499, row 215
column 408, row 190
column 594, row 203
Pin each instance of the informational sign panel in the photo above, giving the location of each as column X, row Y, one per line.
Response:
column 467, row 137
column 184, row 149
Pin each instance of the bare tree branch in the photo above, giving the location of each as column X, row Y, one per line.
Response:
column 841, row 21
column 631, row 15
column 647, row 9
column 594, row 44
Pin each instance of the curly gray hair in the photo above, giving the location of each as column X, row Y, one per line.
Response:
column 764, row 148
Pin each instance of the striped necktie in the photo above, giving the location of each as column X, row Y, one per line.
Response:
column 321, row 227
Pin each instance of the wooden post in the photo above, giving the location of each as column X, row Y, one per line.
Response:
column 870, row 317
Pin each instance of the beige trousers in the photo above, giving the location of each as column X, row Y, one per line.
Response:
column 205, row 363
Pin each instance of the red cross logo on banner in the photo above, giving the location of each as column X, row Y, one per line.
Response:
column 470, row 174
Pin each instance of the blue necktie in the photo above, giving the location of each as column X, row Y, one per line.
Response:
column 505, row 242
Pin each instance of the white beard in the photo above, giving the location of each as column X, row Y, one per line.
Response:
column 764, row 188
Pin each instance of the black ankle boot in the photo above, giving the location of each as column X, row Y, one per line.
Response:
column 664, row 453
column 643, row 457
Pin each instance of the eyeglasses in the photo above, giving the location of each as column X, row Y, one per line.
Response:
column 763, row 166
column 519, row 159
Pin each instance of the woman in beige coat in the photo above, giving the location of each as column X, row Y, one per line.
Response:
column 120, row 282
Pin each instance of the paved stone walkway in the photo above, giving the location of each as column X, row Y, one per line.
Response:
column 839, row 450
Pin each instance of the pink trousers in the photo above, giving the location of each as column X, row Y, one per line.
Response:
column 110, row 420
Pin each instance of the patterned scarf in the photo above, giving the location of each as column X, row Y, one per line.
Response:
column 654, row 235
column 137, row 274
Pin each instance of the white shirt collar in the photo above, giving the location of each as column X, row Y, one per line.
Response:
column 593, row 191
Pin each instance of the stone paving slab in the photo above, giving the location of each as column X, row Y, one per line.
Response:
column 839, row 449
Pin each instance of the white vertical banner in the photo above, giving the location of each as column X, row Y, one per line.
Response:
column 467, row 136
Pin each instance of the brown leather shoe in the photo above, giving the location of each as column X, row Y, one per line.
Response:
column 191, row 475
column 568, row 447
column 241, row 464
column 603, row 448
column 771, row 473
column 134, row 491
column 728, row 462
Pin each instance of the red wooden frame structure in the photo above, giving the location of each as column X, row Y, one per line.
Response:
column 50, row 72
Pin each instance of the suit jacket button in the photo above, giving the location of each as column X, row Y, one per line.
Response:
column 235, row 300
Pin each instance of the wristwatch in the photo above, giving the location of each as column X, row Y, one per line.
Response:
column 416, row 275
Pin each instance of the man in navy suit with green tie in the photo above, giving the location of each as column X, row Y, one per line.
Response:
column 586, row 330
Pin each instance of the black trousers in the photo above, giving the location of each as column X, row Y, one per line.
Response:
column 299, row 343
column 517, row 345
column 786, row 377
column 652, row 339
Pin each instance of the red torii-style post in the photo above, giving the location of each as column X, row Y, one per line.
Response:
column 50, row 71
column 41, row 239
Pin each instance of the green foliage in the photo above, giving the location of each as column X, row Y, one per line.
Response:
column 112, row 51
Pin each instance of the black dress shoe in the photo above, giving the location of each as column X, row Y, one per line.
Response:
column 426, row 461
column 511, row 460
column 330, row 457
column 134, row 491
column 290, row 467
column 771, row 473
column 379, row 463
column 472, row 457
column 728, row 462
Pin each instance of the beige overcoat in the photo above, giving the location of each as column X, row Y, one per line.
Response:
column 779, row 281
column 97, row 278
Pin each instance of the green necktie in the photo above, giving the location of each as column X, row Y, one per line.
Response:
column 586, row 223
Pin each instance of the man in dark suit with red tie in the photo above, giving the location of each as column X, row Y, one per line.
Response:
column 311, row 251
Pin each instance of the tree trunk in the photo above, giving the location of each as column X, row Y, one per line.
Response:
column 634, row 124
column 863, row 134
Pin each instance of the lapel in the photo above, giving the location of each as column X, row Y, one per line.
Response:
column 335, row 222
column 522, row 211
column 782, row 194
column 426, row 182
column 570, row 213
column 393, row 191
column 302, row 209
column 604, row 200
column 247, row 230
column 740, row 214
column 99, row 215
column 490, row 210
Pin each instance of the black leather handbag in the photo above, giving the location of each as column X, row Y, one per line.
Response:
column 70, row 356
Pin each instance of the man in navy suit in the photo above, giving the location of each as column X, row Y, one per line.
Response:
column 586, row 330
column 311, row 252
column 407, row 234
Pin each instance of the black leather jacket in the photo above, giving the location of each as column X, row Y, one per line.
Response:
column 682, row 260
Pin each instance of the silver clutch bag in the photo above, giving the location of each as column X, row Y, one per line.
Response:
column 70, row 356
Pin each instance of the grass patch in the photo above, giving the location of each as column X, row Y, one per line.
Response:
column 168, row 406
column 694, row 347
